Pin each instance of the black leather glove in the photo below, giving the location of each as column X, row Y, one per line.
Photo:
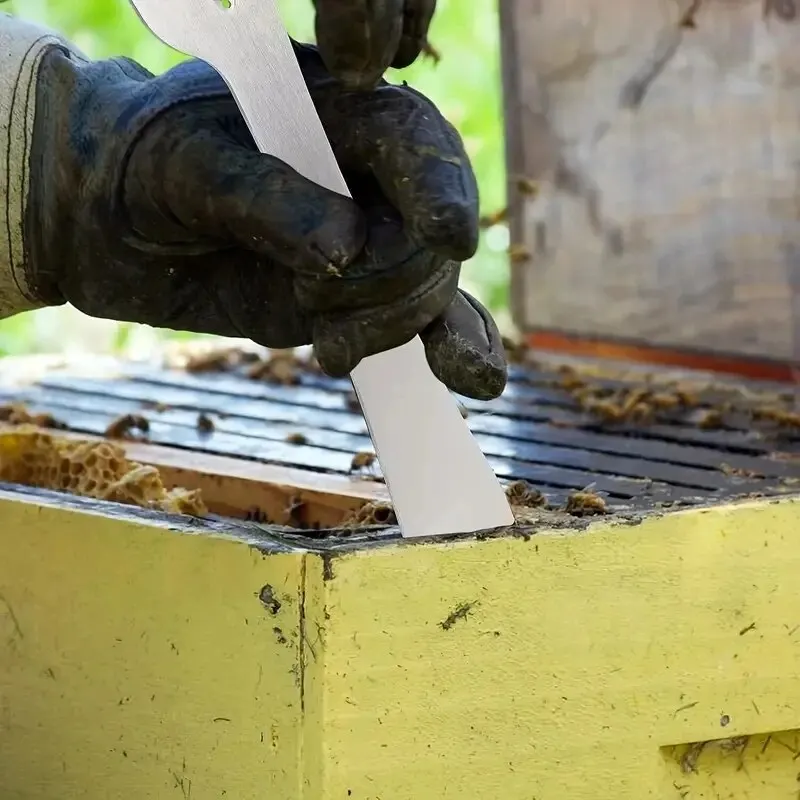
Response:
column 360, row 39
column 150, row 203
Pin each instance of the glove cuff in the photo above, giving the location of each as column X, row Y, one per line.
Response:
column 23, row 46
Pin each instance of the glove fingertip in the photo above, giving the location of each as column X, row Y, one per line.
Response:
column 407, row 53
column 457, row 242
column 478, row 377
column 469, row 373
column 357, row 41
column 339, row 238
column 336, row 354
column 494, row 379
column 465, row 351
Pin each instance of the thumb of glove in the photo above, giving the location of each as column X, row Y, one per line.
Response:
column 465, row 350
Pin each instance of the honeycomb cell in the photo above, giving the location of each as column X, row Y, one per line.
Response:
column 92, row 469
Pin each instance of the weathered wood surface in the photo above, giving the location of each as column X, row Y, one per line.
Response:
column 665, row 138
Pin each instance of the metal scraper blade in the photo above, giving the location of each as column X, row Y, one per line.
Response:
column 438, row 479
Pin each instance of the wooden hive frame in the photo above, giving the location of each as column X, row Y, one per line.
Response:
column 649, row 652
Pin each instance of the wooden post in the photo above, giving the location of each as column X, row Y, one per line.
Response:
column 663, row 138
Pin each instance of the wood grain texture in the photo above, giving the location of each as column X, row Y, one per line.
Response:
column 666, row 141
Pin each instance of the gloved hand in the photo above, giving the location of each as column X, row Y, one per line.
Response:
column 148, row 202
column 360, row 39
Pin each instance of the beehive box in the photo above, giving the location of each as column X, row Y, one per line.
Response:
column 652, row 151
column 636, row 635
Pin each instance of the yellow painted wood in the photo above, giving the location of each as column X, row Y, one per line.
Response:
column 139, row 663
column 737, row 767
column 589, row 665
column 581, row 660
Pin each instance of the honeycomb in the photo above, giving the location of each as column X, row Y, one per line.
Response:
column 100, row 470
column 371, row 513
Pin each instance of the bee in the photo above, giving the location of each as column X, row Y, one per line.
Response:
column 687, row 20
column 585, row 504
column 362, row 460
column 122, row 427
column 156, row 405
column 495, row 218
column 255, row 514
column 429, row 51
column 521, row 493
column 708, row 419
column 294, row 511
column 519, row 254
column 516, row 350
column 17, row 414
column 665, row 401
column 527, row 186
column 779, row 416
column 204, row 423
column 281, row 367
column 219, row 360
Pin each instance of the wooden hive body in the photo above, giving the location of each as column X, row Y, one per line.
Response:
column 647, row 652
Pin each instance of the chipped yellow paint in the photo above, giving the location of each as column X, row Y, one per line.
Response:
column 659, row 660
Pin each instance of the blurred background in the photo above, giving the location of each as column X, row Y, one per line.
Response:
column 465, row 84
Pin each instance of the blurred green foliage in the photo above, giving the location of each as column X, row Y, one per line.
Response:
column 465, row 84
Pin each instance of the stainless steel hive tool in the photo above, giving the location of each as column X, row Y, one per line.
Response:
column 438, row 479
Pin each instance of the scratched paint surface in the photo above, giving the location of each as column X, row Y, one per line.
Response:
column 141, row 664
column 568, row 666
